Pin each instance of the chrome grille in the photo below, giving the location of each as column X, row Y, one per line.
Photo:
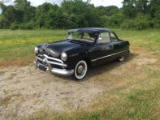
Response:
column 50, row 60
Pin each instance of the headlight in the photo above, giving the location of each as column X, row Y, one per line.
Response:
column 36, row 50
column 64, row 56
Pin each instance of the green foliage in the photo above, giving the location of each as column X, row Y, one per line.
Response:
column 30, row 25
column 14, row 26
column 22, row 26
column 135, row 14
column 45, row 15
column 86, row 17
column 155, row 12
column 4, row 23
column 142, row 22
column 133, row 7
column 141, row 14
column 23, row 6
column 128, row 24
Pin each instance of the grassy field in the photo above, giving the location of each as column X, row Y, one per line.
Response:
column 17, row 46
column 139, row 101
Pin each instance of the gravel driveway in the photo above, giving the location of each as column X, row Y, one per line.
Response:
column 25, row 90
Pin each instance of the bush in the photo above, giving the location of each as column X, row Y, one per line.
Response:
column 143, row 22
column 156, row 23
column 128, row 24
column 30, row 26
column 14, row 26
column 4, row 23
column 27, row 26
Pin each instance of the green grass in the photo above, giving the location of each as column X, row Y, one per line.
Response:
column 147, row 39
column 20, row 44
column 28, row 34
column 138, row 102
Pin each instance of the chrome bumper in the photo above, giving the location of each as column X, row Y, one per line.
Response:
column 62, row 71
column 57, row 71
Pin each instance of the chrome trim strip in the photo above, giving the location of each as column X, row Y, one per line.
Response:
column 60, row 64
column 40, row 55
column 107, row 56
column 39, row 58
column 53, row 58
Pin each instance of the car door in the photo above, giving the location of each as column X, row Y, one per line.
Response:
column 102, row 50
column 118, row 45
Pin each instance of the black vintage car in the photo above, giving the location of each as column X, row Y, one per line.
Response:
column 83, row 48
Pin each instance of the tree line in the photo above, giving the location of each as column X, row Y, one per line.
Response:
column 134, row 14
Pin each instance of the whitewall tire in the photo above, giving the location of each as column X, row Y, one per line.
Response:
column 80, row 70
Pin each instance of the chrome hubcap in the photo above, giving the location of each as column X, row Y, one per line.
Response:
column 80, row 69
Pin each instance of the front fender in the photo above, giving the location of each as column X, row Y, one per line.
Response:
column 76, row 57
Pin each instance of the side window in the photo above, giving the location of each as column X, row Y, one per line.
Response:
column 85, row 36
column 103, row 38
column 113, row 37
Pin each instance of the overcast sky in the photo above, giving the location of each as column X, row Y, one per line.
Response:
column 95, row 2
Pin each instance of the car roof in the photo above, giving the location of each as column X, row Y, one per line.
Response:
column 90, row 30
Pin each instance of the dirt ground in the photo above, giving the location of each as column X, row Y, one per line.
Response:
column 26, row 90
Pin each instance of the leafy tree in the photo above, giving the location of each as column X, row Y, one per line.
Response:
column 112, row 15
column 4, row 23
column 133, row 7
column 138, row 11
column 129, row 8
column 81, row 14
column 109, row 10
column 137, row 14
column 46, row 15
column 155, row 12
column 142, row 22
column 25, row 10
column 8, row 15
column 142, row 6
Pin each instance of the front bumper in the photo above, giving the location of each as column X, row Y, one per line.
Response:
column 57, row 71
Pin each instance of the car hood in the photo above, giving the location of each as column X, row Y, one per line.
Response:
column 56, row 48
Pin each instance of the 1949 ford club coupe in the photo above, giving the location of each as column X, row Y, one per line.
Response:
column 83, row 48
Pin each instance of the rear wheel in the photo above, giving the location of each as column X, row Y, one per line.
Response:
column 80, row 70
column 121, row 59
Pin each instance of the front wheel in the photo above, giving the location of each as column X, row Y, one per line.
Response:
column 80, row 70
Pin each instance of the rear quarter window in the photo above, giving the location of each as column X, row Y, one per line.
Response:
column 104, row 38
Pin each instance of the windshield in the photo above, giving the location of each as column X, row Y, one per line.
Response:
column 81, row 37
